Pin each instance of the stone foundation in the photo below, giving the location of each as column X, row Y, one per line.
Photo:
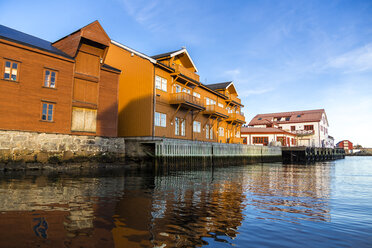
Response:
column 31, row 147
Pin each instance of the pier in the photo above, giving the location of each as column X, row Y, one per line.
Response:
column 311, row 154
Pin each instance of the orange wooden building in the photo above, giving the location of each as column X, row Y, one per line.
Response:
column 162, row 96
column 61, row 87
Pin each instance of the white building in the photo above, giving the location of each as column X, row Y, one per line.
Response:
column 310, row 126
column 267, row 136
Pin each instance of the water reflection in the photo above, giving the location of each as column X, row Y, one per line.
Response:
column 157, row 205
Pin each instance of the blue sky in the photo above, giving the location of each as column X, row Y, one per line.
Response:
column 281, row 55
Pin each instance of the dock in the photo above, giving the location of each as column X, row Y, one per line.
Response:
column 311, row 154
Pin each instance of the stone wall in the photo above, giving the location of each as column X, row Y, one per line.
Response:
column 33, row 147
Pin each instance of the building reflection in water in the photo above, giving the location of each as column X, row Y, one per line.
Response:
column 162, row 205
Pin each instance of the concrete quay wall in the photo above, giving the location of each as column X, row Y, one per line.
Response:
column 33, row 147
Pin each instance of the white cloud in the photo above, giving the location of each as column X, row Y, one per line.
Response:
column 357, row 60
column 232, row 73
column 250, row 92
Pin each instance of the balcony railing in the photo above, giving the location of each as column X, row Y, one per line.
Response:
column 185, row 98
column 235, row 99
column 239, row 117
column 303, row 132
column 215, row 110
column 186, row 72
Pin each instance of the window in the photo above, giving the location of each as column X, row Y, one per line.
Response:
column 196, row 127
column 207, row 131
column 84, row 120
column 259, row 118
column 186, row 90
column 160, row 119
column 47, row 111
column 287, row 118
column 160, row 83
column 211, row 132
column 209, row 101
column 180, row 126
column 309, row 127
column 196, row 95
column 50, row 79
column 178, row 89
column 183, row 127
column 298, row 116
column 260, row 140
column 220, row 105
column 220, row 131
column 11, row 70
column 293, row 128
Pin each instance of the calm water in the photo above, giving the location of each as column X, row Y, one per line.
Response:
column 261, row 205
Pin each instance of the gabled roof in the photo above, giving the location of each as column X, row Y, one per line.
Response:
column 175, row 53
column 260, row 130
column 92, row 32
column 294, row 117
column 142, row 55
column 219, row 86
column 29, row 40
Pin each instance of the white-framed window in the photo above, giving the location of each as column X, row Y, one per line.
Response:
column 209, row 101
column 160, row 83
column 180, row 126
column 220, row 105
column 178, row 88
column 186, row 90
column 183, row 127
column 237, row 134
column 211, row 133
column 50, row 78
column 196, row 94
column 160, row 119
column 221, row 131
column 196, row 126
column 207, row 131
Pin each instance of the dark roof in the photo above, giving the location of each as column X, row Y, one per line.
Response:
column 164, row 54
column 218, row 85
column 29, row 40
column 110, row 68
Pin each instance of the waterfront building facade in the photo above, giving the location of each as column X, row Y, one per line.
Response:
column 63, row 87
column 162, row 96
column 347, row 145
column 268, row 136
column 310, row 126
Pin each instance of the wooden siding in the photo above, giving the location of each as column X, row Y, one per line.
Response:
column 136, row 84
column 20, row 102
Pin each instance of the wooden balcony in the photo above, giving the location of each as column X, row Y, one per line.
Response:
column 187, row 101
column 303, row 132
column 215, row 110
column 236, row 117
column 186, row 72
column 234, row 99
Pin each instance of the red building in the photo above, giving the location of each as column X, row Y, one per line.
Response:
column 62, row 87
column 347, row 145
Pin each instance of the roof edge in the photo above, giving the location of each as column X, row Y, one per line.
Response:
column 134, row 51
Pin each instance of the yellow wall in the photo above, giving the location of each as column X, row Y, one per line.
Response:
column 135, row 92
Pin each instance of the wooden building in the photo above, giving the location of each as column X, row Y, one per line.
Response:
column 347, row 145
column 267, row 136
column 162, row 96
column 310, row 126
column 61, row 87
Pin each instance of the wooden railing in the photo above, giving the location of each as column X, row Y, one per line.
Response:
column 236, row 117
column 235, row 99
column 186, row 72
column 236, row 140
column 183, row 97
column 212, row 109
column 303, row 132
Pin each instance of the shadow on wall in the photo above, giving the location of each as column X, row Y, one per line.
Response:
column 135, row 118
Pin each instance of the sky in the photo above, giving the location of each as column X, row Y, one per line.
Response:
column 281, row 55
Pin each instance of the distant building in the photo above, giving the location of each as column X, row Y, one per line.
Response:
column 310, row 126
column 347, row 145
column 266, row 136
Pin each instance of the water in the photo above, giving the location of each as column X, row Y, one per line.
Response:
column 186, row 205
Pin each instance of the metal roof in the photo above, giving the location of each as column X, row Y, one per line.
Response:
column 29, row 40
